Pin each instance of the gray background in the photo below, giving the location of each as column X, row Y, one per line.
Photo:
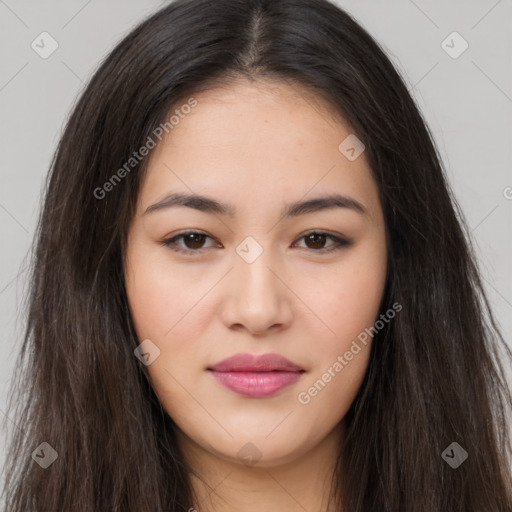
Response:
column 467, row 102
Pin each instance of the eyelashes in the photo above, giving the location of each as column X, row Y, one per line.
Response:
column 196, row 237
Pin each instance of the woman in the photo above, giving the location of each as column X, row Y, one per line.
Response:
column 252, row 289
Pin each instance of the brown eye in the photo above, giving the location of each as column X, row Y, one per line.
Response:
column 317, row 239
column 193, row 242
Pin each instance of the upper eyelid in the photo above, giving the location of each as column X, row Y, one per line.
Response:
column 338, row 239
column 309, row 232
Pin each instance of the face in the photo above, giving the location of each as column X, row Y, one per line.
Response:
column 258, row 275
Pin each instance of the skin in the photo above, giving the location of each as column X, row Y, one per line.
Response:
column 256, row 146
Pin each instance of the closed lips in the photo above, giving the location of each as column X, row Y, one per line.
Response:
column 256, row 376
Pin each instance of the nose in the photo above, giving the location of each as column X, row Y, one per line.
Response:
column 257, row 297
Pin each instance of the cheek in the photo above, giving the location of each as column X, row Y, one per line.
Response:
column 348, row 300
column 350, row 307
column 357, row 299
column 158, row 298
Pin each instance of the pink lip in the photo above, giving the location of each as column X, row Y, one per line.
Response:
column 256, row 376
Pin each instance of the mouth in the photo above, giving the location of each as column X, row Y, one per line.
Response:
column 256, row 376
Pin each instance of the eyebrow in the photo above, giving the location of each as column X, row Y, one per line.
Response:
column 210, row 205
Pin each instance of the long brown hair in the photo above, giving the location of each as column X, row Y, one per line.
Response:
column 435, row 375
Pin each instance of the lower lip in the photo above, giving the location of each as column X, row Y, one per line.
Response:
column 256, row 384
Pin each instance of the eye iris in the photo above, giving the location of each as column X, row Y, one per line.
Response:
column 193, row 238
column 315, row 238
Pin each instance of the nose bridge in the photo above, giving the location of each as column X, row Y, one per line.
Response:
column 253, row 266
column 258, row 298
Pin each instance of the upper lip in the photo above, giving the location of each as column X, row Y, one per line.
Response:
column 255, row 363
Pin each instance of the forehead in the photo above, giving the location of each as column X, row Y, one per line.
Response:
column 252, row 106
column 267, row 139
